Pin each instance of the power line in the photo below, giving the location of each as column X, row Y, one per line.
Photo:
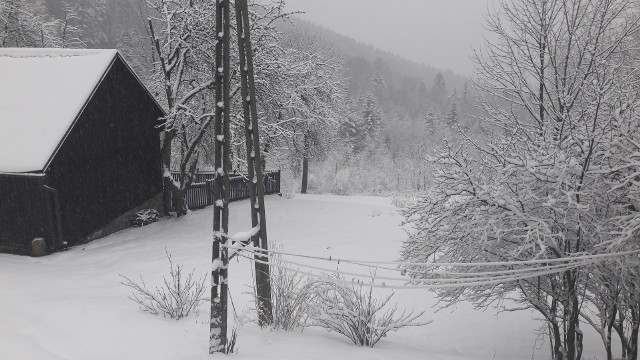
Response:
column 406, row 270
column 568, row 259
column 498, row 276
column 383, row 285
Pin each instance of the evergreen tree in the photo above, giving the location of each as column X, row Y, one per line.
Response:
column 422, row 90
column 466, row 93
column 439, row 89
column 430, row 122
column 378, row 83
column 453, row 114
column 372, row 119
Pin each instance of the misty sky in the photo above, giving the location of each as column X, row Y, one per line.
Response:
column 437, row 32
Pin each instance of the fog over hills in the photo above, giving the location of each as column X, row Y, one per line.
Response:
column 352, row 48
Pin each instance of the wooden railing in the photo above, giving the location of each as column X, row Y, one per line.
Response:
column 200, row 194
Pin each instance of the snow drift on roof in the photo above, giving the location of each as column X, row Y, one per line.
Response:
column 41, row 93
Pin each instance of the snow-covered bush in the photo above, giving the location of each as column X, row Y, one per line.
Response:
column 290, row 295
column 145, row 217
column 289, row 184
column 341, row 183
column 314, row 185
column 373, row 171
column 403, row 201
column 176, row 298
column 354, row 312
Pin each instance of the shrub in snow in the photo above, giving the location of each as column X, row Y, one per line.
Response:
column 403, row 201
column 290, row 296
column 314, row 184
column 175, row 298
column 341, row 182
column 145, row 217
column 289, row 184
column 354, row 312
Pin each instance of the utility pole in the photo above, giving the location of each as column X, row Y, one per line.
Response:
column 220, row 256
column 254, row 160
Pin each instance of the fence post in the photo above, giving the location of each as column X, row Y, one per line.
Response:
column 209, row 187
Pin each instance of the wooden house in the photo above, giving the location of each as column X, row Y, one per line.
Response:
column 79, row 145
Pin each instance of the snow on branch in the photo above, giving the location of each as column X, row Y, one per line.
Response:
column 355, row 313
column 176, row 298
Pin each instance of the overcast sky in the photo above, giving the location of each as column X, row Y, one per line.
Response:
column 441, row 33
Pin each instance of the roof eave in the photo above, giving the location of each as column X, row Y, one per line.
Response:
column 22, row 174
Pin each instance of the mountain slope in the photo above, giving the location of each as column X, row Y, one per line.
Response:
column 352, row 48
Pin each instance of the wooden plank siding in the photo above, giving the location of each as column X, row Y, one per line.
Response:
column 30, row 208
column 110, row 161
column 27, row 211
column 200, row 194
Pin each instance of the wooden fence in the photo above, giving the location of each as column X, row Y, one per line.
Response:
column 200, row 194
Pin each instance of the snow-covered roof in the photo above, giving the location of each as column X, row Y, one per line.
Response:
column 42, row 91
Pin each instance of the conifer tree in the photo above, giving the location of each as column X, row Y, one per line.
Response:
column 372, row 119
column 453, row 114
column 439, row 89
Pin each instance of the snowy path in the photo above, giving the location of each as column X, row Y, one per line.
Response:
column 71, row 306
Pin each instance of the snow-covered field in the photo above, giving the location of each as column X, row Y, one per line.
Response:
column 71, row 305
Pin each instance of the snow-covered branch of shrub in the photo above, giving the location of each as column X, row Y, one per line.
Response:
column 290, row 295
column 176, row 298
column 355, row 313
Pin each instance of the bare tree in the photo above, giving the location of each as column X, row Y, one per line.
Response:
column 553, row 81
column 182, row 33
column 314, row 97
column 70, row 33
column 183, row 39
column 22, row 25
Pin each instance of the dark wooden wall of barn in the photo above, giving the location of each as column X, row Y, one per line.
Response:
column 110, row 161
column 26, row 212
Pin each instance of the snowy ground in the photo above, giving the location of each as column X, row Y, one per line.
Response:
column 71, row 305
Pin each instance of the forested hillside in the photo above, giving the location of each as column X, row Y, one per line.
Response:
column 355, row 49
column 399, row 112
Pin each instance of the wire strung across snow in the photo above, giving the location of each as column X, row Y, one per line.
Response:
column 466, row 279
column 569, row 259
column 425, row 271
column 469, row 277
column 456, row 273
column 406, row 286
